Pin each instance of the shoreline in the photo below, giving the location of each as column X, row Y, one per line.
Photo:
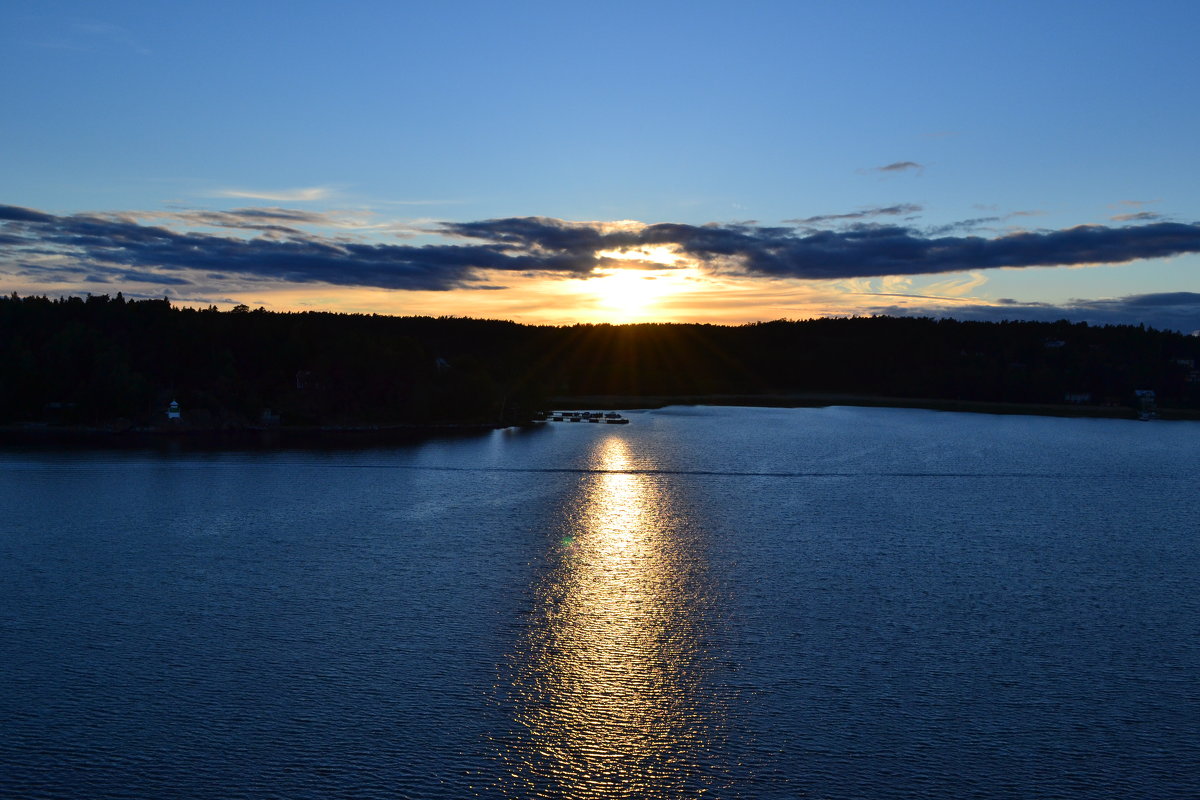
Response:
column 252, row 437
column 283, row 436
column 818, row 400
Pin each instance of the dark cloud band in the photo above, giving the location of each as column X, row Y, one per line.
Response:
column 869, row 251
column 120, row 244
column 280, row 251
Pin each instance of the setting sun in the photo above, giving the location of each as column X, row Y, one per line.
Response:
column 633, row 295
column 625, row 293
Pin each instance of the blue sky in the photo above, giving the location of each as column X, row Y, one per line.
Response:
column 387, row 124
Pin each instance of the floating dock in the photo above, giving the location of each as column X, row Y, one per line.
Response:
column 597, row 417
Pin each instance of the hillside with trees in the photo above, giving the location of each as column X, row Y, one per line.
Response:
column 101, row 361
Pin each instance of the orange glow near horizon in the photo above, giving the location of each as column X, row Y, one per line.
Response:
column 616, row 296
column 655, row 287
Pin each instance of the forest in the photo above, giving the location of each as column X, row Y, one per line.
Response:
column 111, row 362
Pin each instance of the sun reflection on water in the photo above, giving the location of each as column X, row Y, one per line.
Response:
column 608, row 697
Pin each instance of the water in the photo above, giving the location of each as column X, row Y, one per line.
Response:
column 758, row 603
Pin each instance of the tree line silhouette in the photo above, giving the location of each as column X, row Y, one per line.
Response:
column 104, row 361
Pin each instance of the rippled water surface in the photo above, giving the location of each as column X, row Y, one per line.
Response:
column 755, row 603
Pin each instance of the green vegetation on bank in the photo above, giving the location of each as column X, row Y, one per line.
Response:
column 101, row 361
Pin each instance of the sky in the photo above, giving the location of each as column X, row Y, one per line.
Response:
column 620, row 162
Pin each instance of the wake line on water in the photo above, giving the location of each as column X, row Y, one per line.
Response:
column 95, row 466
column 718, row 473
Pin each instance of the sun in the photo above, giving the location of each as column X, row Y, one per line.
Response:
column 626, row 295
column 619, row 293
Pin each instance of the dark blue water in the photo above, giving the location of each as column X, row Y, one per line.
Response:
column 757, row 603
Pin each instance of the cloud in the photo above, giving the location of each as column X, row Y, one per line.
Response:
column 301, row 195
column 962, row 226
column 283, row 251
column 866, row 213
column 112, row 244
column 272, row 222
column 18, row 214
column 240, row 216
column 980, row 223
column 899, row 166
column 137, row 276
column 284, row 221
column 1179, row 311
column 1139, row 216
column 784, row 252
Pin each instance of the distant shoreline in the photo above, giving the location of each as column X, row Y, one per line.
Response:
column 283, row 436
column 818, row 400
column 249, row 437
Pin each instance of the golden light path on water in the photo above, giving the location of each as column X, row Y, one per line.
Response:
column 609, row 699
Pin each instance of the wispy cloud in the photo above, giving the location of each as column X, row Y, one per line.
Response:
column 991, row 223
column 1137, row 216
column 269, row 221
column 901, row 209
column 898, row 166
column 958, row 286
column 300, row 195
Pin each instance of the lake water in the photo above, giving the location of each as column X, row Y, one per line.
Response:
column 720, row 602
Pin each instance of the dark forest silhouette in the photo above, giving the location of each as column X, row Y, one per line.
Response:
column 107, row 361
